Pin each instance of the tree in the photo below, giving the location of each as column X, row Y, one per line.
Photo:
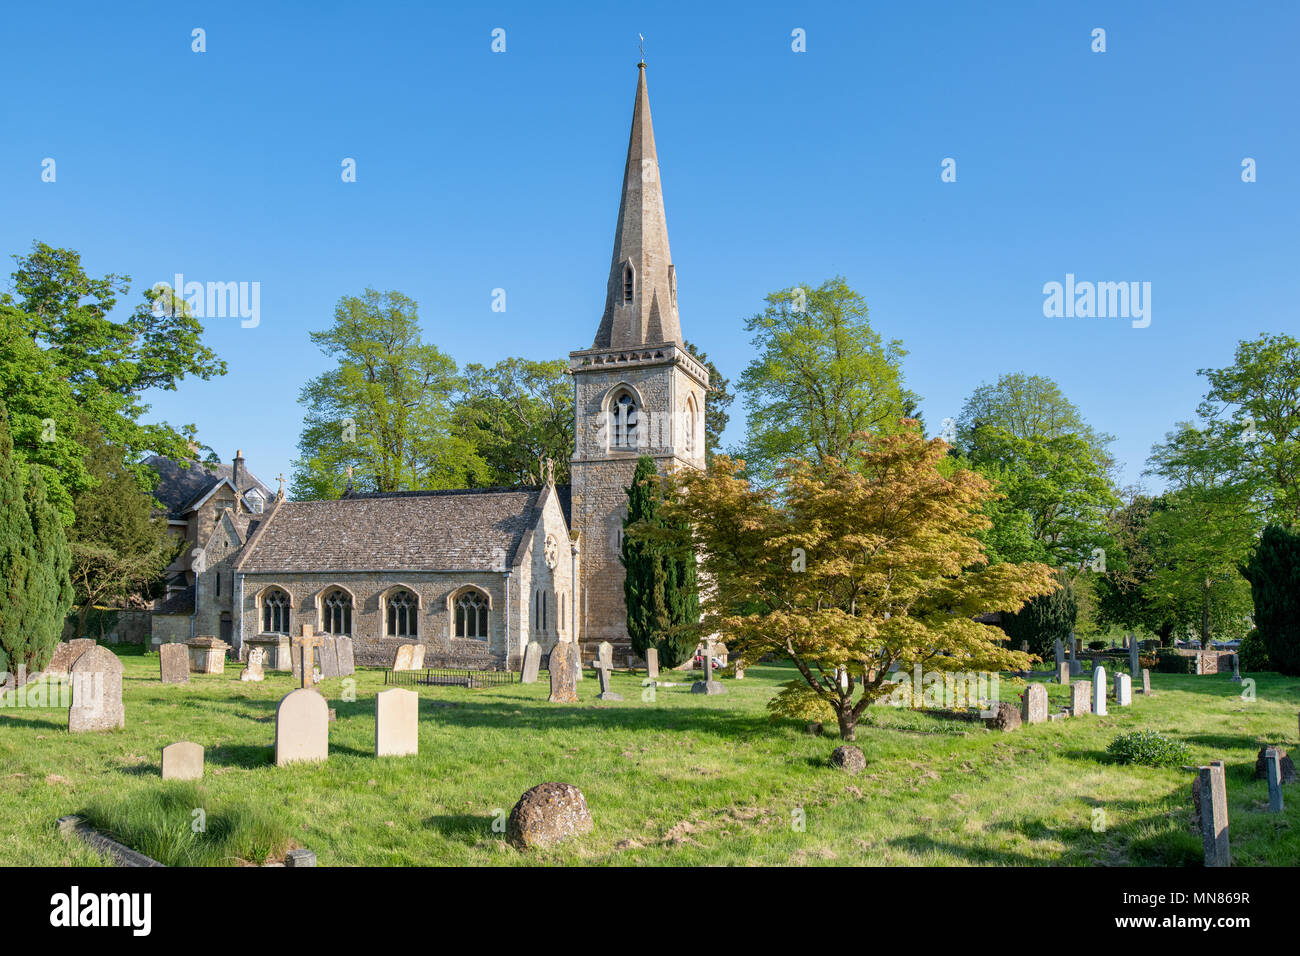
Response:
column 1031, row 408
column 718, row 401
column 515, row 414
column 52, row 593
column 385, row 410
column 19, row 563
column 852, row 567
column 822, row 376
column 1044, row 620
column 1274, row 574
column 659, row 587
column 1124, row 596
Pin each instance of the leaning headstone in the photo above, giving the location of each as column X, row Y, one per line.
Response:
column 397, row 722
column 253, row 669
column 96, row 680
column 1211, row 797
column 550, row 812
column 532, row 663
column 605, row 693
column 417, row 657
column 605, row 655
column 1123, row 690
column 174, row 663
column 708, row 685
column 182, row 760
column 1099, row 691
column 652, row 663
column 1034, row 704
column 301, row 728
column 564, row 682
column 66, row 653
column 1273, row 772
column 1080, row 698
column 347, row 664
column 1146, row 681
column 1063, row 674
column 329, row 658
column 402, row 659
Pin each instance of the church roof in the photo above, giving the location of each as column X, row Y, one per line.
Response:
column 641, row 266
column 478, row 529
column 181, row 485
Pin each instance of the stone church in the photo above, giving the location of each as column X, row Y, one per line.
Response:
column 473, row 575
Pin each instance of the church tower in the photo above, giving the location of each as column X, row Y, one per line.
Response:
column 637, row 390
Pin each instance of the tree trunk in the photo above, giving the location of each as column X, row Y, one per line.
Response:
column 848, row 720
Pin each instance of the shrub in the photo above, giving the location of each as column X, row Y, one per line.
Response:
column 1098, row 645
column 1044, row 620
column 1252, row 653
column 1169, row 662
column 1274, row 575
column 1149, row 749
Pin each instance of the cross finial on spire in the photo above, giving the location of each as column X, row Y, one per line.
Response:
column 280, row 479
column 642, row 36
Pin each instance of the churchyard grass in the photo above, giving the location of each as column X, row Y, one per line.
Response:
column 685, row 780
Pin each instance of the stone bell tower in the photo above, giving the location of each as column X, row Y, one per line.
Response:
column 637, row 390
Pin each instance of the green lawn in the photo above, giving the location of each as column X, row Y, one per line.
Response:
column 685, row 780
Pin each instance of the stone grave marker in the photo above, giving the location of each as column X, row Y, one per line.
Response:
column 1146, row 681
column 1081, row 698
column 1063, row 674
column 1123, row 690
column 174, row 663
column 347, row 663
column 402, row 659
column 1099, row 691
column 739, row 669
column 253, row 669
column 652, row 663
column 96, row 679
column 1134, row 659
column 66, row 654
column 397, row 722
column 1033, row 707
column 182, row 760
column 605, row 655
column 1210, row 795
column 301, row 727
column 532, row 663
column 708, row 685
column 207, row 654
column 564, row 683
column 417, row 656
column 1273, row 772
column 329, row 658
column 603, row 673
column 304, row 656
column 1058, row 649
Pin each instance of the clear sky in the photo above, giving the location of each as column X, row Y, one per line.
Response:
column 479, row 170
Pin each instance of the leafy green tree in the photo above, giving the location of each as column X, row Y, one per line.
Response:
column 1124, row 588
column 1274, row 574
column 822, row 376
column 384, row 410
column 659, row 587
column 1044, row 619
column 1031, row 408
column 53, row 593
column 19, row 564
column 515, row 414
column 716, row 414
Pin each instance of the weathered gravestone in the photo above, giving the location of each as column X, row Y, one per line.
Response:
column 1033, row 707
column 329, row 658
column 1080, row 698
column 347, row 663
column 564, row 681
column 1134, row 659
column 708, row 685
column 1063, row 674
column 207, row 654
column 605, row 655
column 1146, row 681
column 1099, row 691
column 603, row 673
column 550, row 812
column 532, row 663
column 1273, row 773
column 402, row 659
column 1210, row 800
column 96, row 679
column 1285, row 765
column 182, row 760
column 417, row 656
column 66, row 653
column 174, row 663
column 301, row 728
column 1123, row 690
column 304, row 656
column 253, row 669
column 1058, row 649
column 397, row 722
column 652, row 663
column 738, row 670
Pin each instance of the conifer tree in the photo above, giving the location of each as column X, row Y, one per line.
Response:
column 51, row 596
column 18, row 570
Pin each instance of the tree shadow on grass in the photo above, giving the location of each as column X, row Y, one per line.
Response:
column 58, row 720
column 247, row 756
column 467, row 828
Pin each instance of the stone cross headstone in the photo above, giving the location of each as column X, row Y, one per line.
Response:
column 1063, row 674
column 1236, row 669
column 1212, row 798
column 96, row 679
column 1273, row 772
column 305, row 659
column 182, row 760
column 652, row 663
column 174, row 663
column 1099, row 691
column 417, row 656
column 402, row 659
column 347, row 664
column 1134, row 660
column 532, row 663
column 302, row 727
column 1059, row 650
column 603, row 673
column 564, row 681
column 1146, row 681
column 1080, row 698
column 1123, row 690
column 1033, row 707
column 605, row 655
column 397, row 722
column 253, row 669
column 708, row 685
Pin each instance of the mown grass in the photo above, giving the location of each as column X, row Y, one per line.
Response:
column 678, row 780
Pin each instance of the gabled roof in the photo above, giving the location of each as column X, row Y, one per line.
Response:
column 177, row 602
column 479, row 529
column 183, row 485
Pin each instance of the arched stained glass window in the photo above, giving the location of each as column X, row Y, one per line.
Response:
column 275, row 612
column 336, row 610
column 471, row 613
column 403, row 608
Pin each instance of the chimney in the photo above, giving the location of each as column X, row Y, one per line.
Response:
column 237, row 470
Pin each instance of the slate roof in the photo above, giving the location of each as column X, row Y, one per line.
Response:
column 178, row 602
column 408, row 531
column 178, row 487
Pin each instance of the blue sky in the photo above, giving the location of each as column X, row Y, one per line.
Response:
column 479, row 170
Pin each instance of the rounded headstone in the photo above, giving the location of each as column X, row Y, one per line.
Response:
column 301, row 728
column 182, row 760
column 96, row 680
column 548, row 814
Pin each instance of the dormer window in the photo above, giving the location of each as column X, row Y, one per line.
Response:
column 627, row 282
column 255, row 501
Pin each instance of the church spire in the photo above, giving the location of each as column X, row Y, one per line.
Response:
column 641, row 299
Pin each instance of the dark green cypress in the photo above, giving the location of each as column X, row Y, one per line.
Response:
column 18, row 565
column 52, row 592
column 1274, row 575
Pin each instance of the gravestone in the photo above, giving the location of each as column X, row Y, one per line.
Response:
column 1146, row 681
column 1273, row 772
column 605, row 655
column 652, row 663
column 1134, row 660
column 532, row 663
column 1123, row 690
column 1099, row 691
column 207, row 654
column 708, row 685
column 347, row 664
column 301, row 728
column 253, row 669
column 739, row 669
column 1033, row 707
column 1210, row 796
column 417, row 657
column 1063, row 674
column 96, row 679
column 66, row 653
column 550, row 812
column 304, row 653
column 329, row 658
column 402, row 659
column 182, row 760
column 174, row 663
column 1058, row 650
column 397, row 722
column 1286, row 766
column 564, row 682
column 1080, row 698
column 603, row 673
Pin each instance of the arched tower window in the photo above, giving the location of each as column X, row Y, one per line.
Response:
column 403, row 608
column 690, row 427
column 472, row 615
column 336, row 612
column 624, row 420
column 628, row 281
column 275, row 612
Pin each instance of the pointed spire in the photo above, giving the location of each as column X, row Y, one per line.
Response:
column 641, row 299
